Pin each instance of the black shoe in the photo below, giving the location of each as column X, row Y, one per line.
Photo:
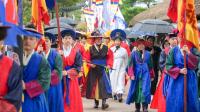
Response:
column 115, row 97
column 96, row 103
column 137, row 106
column 137, row 110
column 104, row 105
column 145, row 107
column 120, row 98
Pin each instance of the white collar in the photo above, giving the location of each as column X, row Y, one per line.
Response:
column 96, row 46
column 1, row 53
column 26, row 58
column 47, row 54
column 67, row 51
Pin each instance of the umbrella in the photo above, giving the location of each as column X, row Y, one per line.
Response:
column 65, row 20
column 135, row 34
column 128, row 31
column 152, row 26
column 64, row 25
column 54, row 30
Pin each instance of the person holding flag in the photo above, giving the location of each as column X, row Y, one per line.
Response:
column 141, row 72
column 72, row 62
column 54, row 94
column 99, row 58
column 117, row 76
column 10, row 78
column 176, row 71
column 181, row 63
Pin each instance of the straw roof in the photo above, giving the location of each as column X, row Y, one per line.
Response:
column 159, row 11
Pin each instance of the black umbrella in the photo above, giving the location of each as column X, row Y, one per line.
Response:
column 152, row 26
column 54, row 30
column 65, row 20
column 140, row 34
column 62, row 25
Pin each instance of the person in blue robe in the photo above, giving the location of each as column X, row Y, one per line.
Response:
column 141, row 72
column 174, row 81
column 54, row 94
column 36, row 77
column 196, row 52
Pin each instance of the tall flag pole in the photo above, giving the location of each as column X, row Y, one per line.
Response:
column 58, row 25
column 182, row 26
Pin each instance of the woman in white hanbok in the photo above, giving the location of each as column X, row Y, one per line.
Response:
column 117, row 75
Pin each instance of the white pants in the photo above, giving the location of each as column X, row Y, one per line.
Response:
column 117, row 78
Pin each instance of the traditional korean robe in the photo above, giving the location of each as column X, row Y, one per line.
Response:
column 72, row 59
column 197, row 53
column 174, row 82
column 82, row 76
column 117, row 76
column 54, row 94
column 81, row 49
column 142, row 69
column 125, row 46
column 159, row 101
column 98, row 84
column 11, row 81
column 36, row 75
column 85, row 66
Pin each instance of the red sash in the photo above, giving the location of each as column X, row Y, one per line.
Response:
column 5, row 66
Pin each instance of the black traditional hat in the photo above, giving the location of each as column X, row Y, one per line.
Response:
column 50, row 36
column 68, row 32
column 96, row 34
column 3, row 31
column 118, row 33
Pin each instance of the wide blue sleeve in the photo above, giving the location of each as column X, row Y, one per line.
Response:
column 14, row 94
column 162, row 60
column 78, row 62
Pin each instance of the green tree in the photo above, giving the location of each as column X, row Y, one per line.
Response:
column 128, row 9
column 130, row 12
column 26, row 11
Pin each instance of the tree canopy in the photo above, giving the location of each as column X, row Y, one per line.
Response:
column 129, row 10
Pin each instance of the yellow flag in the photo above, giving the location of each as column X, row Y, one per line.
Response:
column 187, row 22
